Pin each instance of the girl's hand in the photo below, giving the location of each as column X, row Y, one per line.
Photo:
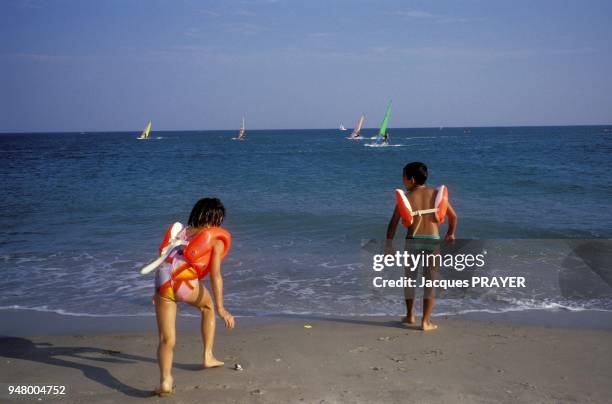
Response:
column 227, row 317
column 449, row 237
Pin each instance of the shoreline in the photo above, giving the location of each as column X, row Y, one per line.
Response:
column 31, row 322
column 335, row 360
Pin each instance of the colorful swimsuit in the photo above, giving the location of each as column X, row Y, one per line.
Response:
column 175, row 279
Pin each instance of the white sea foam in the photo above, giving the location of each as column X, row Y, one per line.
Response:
column 63, row 312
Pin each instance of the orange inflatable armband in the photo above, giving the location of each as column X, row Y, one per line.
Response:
column 171, row 233
column 404, row 208
column 441, row 203
column 198, row 252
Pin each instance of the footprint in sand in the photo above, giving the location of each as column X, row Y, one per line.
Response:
column 434, row 352
column 387, row 338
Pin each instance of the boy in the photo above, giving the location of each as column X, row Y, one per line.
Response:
column 425, row 229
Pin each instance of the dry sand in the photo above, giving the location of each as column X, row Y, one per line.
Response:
column 344, row 360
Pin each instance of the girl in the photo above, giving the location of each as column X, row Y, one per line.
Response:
column 178, row 281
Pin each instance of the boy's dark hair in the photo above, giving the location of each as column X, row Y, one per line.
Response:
column 416, row 171
column 207, row 212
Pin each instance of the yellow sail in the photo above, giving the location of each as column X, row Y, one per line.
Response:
column 145, row 132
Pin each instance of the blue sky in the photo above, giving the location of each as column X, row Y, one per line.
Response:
column 76, row 65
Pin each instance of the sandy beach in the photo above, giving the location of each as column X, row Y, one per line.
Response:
column 336, row 360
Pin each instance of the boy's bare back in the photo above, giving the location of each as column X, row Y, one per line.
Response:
column 421, row 198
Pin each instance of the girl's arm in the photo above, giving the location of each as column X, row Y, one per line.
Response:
column 216, row 281
column 452, row 223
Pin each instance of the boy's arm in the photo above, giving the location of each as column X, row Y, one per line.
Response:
column 452, row 223
column 391, row 228
column 393, row 224
column 216, row 282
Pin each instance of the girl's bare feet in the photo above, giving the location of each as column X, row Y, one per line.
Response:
column 211, row 362
column 165, row 387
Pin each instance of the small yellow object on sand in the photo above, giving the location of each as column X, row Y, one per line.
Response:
column 307, row 326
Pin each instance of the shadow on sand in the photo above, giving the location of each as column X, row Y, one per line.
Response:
column 45, row 353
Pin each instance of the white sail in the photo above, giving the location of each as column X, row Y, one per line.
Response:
column 242, row 132
column 357, row 131
column 342, row 127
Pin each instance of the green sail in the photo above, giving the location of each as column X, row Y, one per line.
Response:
column 383, row 125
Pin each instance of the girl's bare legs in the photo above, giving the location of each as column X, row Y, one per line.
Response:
column 165, row 311
column 202, row 299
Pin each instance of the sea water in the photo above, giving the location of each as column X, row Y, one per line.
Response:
column 81, row 213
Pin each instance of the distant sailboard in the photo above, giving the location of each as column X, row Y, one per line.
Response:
column 145, row 133
column 356, row 135
column 241, row 132
column 382, row 140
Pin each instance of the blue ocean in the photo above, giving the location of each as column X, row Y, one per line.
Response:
column 83, row 212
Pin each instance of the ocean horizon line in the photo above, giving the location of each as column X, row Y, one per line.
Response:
column 52, row 132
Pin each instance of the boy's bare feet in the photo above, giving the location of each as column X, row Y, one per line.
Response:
column 428, row 326
column 211, row 362
column 409, row 320
column 165, row 387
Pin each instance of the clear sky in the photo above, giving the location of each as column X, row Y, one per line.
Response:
column 77, row 65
